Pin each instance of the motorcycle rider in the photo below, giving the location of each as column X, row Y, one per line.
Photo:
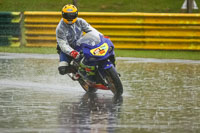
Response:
column 68, row 31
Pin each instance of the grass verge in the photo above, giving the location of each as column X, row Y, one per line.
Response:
column 159, row 54
column 39, row 50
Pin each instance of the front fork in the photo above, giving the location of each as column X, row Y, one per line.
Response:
column 101, row 74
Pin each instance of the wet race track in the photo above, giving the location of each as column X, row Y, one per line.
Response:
column 159, row 96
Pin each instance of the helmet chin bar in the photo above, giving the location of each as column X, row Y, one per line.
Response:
column 70, row 22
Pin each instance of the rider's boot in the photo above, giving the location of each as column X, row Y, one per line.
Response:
column 64, row 68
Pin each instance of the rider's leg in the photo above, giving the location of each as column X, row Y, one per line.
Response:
column 64, row 65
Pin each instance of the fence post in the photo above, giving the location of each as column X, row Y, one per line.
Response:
column 189, row 6
column 75, row 2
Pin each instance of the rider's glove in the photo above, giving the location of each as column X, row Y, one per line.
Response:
column 74, row 54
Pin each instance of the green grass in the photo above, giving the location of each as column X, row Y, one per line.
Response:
column 96, row 5
column 42, row 50
column 160, row 54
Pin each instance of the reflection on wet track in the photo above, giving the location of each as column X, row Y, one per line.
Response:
column 91, row 113
column 159, row 96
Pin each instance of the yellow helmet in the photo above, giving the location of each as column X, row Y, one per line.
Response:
column 69, row 14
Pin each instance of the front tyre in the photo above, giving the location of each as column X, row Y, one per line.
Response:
column 113, row 81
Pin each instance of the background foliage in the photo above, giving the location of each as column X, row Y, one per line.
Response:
column 96, row 5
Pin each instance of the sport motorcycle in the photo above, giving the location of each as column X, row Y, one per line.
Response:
column 96, row 65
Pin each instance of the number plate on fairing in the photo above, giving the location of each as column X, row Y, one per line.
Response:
column 100, row 51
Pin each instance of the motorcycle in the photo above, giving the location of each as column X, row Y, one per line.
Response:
column 96, row 58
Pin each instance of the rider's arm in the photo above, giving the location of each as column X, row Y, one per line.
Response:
column 87, row 27
column 62, row 42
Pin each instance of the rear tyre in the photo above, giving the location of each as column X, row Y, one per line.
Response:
column 86, row 87
column 114, row 82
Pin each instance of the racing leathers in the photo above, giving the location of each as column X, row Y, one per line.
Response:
column 67, row 36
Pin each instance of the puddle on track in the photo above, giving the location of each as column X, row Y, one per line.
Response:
column 159, row 96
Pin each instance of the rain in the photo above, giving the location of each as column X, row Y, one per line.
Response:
column 160, row 95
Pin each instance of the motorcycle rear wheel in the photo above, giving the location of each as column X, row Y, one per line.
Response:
column 113, row 81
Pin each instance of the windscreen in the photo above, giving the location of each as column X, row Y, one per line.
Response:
column 90, row 38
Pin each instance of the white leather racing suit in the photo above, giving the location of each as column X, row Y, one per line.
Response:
column 68, row 34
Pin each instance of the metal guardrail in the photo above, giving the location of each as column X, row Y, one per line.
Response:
column 10, row 28
column 126, row 30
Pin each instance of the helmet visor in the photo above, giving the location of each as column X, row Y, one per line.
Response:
column 70, row 16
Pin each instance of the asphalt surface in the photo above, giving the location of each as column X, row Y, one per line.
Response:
column 159, row 96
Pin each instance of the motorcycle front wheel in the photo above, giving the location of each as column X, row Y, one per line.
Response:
column 113, row 81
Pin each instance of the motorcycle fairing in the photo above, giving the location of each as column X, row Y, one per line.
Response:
column 103, row 50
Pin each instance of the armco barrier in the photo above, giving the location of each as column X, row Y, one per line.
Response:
column 127, row 30
column 10, row 29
